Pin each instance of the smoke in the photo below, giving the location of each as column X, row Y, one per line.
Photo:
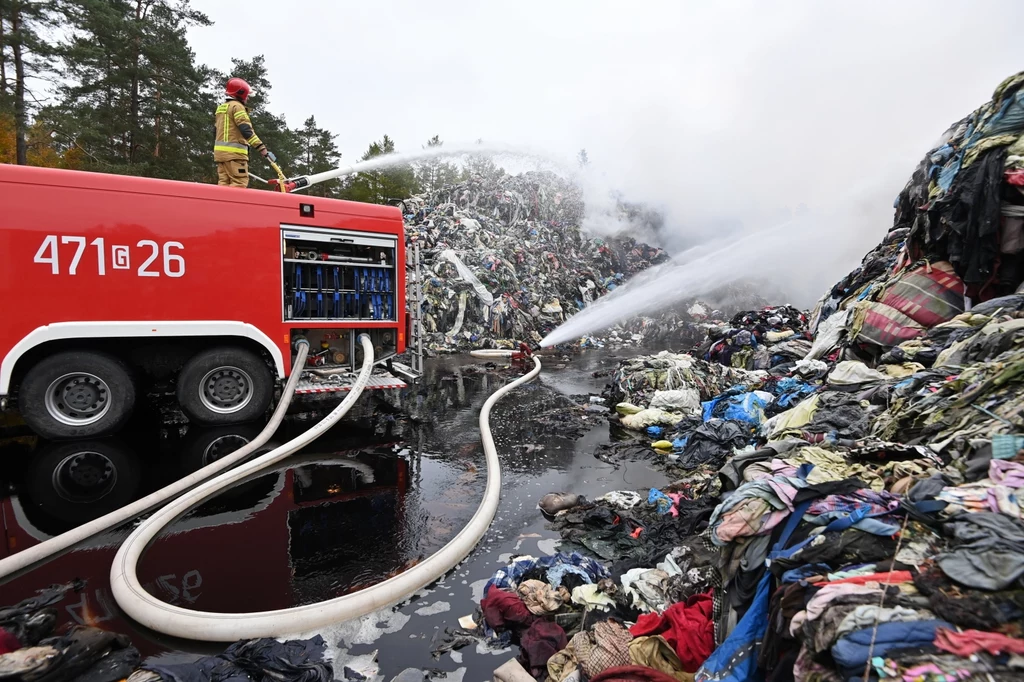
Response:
column 791, row 251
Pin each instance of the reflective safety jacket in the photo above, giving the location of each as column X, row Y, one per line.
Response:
column 234, row 132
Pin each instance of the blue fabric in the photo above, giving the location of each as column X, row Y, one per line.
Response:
column 558, row 572
column 708, row 407
column 744, row 407
column 790, row 391
column 680, row 443
column 1009, row 118
column 795, row 575
column 660, row 500
column 655, row 430
column 508, row 578
column 839, row 521
column 1006, row 446
column 735, row 660
column 851, row 652
column 949, row 172
column 846, row 520
column 859, row 519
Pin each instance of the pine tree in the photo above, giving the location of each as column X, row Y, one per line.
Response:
column 433, row 174
column 136, row 101
column 271, row 128
column 385, row 186
column 24, row 55
column 319, row 154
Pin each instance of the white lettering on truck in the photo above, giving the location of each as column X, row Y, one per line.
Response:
column 120, row 256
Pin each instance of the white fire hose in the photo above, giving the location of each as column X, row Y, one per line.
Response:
column 228, row 627
column 491, row 353
column 44, row 550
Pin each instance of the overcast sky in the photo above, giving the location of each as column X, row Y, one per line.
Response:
column 714, row 110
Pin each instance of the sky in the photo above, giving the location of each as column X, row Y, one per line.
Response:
column 722, row 114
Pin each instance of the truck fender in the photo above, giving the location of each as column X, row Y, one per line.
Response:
column 115, row 329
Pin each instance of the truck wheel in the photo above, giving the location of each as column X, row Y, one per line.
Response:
column 225, row 385
column 205, row 445
column 77, row 394
column 83, row 480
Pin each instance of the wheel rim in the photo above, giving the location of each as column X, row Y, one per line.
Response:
column 225, row 390
column 78, row 399
column 84, row 477
column 224, row 445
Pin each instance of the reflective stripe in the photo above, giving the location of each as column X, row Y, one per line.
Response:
column 242, row 116
column 254, row 141
column 232, row 148
column 222, row 108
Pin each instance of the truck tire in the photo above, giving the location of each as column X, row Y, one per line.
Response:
column 79, row 481
column 225, row 385
column 204, row 445
column 77, row 394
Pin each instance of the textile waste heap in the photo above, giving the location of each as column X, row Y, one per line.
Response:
column 848, row 501
column 505, row 260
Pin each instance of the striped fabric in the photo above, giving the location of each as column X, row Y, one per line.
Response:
column 882, row 325
column 928, row 296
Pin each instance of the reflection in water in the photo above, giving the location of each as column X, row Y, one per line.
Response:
column 363, row 502
column 67, row 484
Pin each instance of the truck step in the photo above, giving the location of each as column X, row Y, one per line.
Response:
column 344, row 383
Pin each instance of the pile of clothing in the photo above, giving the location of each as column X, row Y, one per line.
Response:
column 675, row 382
column 568, row 619
column 504, row 258
column 31, row 651
column 799, row 561
column 850, row 507
column 759, row 339
column 957, row 239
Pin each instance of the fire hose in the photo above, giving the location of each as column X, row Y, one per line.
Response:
column 228, row 627
column 44, row 550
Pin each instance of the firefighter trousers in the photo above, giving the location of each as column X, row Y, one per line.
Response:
column 233, row 173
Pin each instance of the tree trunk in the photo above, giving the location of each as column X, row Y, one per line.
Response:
column 20, row 112
column 109, row 108
column 3, row 54
column 156, row 126
column 133, row 121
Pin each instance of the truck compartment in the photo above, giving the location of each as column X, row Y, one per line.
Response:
column 331, row 275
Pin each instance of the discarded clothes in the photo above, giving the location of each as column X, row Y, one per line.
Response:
column 299, row 660
column 687, row 627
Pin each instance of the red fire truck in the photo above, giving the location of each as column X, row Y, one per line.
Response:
column 111, row 282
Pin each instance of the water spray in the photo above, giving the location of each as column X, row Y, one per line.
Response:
column 389, row 160
column 695, row 272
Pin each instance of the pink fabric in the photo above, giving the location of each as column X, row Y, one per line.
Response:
column 742, row 520
column 891, row 578
column 821, row 600
column 970, row 642
column 1004, row 472
column 1015, row 177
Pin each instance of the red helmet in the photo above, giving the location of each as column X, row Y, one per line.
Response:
column 238, row 89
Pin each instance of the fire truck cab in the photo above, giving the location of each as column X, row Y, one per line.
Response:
column 111, row 282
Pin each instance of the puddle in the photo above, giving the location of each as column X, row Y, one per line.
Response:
column 365, row 501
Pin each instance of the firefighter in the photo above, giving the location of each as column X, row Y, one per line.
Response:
column 235, row 137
